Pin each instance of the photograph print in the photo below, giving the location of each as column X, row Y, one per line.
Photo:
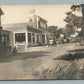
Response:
column 42, row 42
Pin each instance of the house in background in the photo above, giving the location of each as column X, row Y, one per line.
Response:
column 28, row 34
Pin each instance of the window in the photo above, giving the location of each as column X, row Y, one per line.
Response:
column 8, row 39
column 29, row 37
column 43, row 38
column 3, row 39
column 30, row 20
column 33, row 38
column 37, row 38
column 19, row 37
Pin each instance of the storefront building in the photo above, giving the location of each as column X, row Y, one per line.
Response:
column 28, row 34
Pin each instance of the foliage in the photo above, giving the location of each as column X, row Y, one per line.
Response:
column 52, row 29
column 81, row 8
column 77, row 8
column 60, row 31
column 72, row 23
column 55, row 32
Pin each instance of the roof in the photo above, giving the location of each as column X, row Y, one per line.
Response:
column 38, row 17
column 1, row 12
column 42, row 18
column 20, row 27
column 32, row 29
column 15, row 26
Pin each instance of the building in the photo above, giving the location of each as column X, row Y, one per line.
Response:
column 1, row 13
column 28, row 34
column 4, row 37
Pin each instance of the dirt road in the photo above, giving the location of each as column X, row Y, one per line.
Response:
column 31, row 64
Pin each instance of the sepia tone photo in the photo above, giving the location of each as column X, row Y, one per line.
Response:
column 42, row 42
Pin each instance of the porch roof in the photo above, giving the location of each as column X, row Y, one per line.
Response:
column 21, row 27
column 32, row 29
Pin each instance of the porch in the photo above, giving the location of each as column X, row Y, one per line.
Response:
column 30, row 38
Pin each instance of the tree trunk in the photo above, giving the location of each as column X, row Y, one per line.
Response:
column 82, row 10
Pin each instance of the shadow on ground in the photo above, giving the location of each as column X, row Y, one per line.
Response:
column 73, row 54
column 67, row 72
column 21, row 56
column 70, row 71
column 77, row 50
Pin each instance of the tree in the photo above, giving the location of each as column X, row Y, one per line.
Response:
column 52, row 29
column 72, row 23
column 73, row 20
column 78, row 8
column 60, row 31
column 81, row 8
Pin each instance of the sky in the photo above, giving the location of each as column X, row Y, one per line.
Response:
column 26, row 2
column 54, row 14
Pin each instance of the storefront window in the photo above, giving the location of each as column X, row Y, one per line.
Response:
column 29, row 37
column 33, row 37
column 43, row 38
column 20, row 38
column 8, row 40
column 37, row 38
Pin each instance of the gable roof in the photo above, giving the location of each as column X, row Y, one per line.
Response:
column 42, row 18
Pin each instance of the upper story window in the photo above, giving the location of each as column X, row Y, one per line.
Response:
column 42, row 23
column 30, row 20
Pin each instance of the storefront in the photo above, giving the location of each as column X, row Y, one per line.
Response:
column 28, row 34
column 29, row 38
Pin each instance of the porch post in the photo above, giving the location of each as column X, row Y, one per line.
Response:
column 26, row 39
column 35, row 39
column 14, row 38
column 31, row 40
column 45, row 39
